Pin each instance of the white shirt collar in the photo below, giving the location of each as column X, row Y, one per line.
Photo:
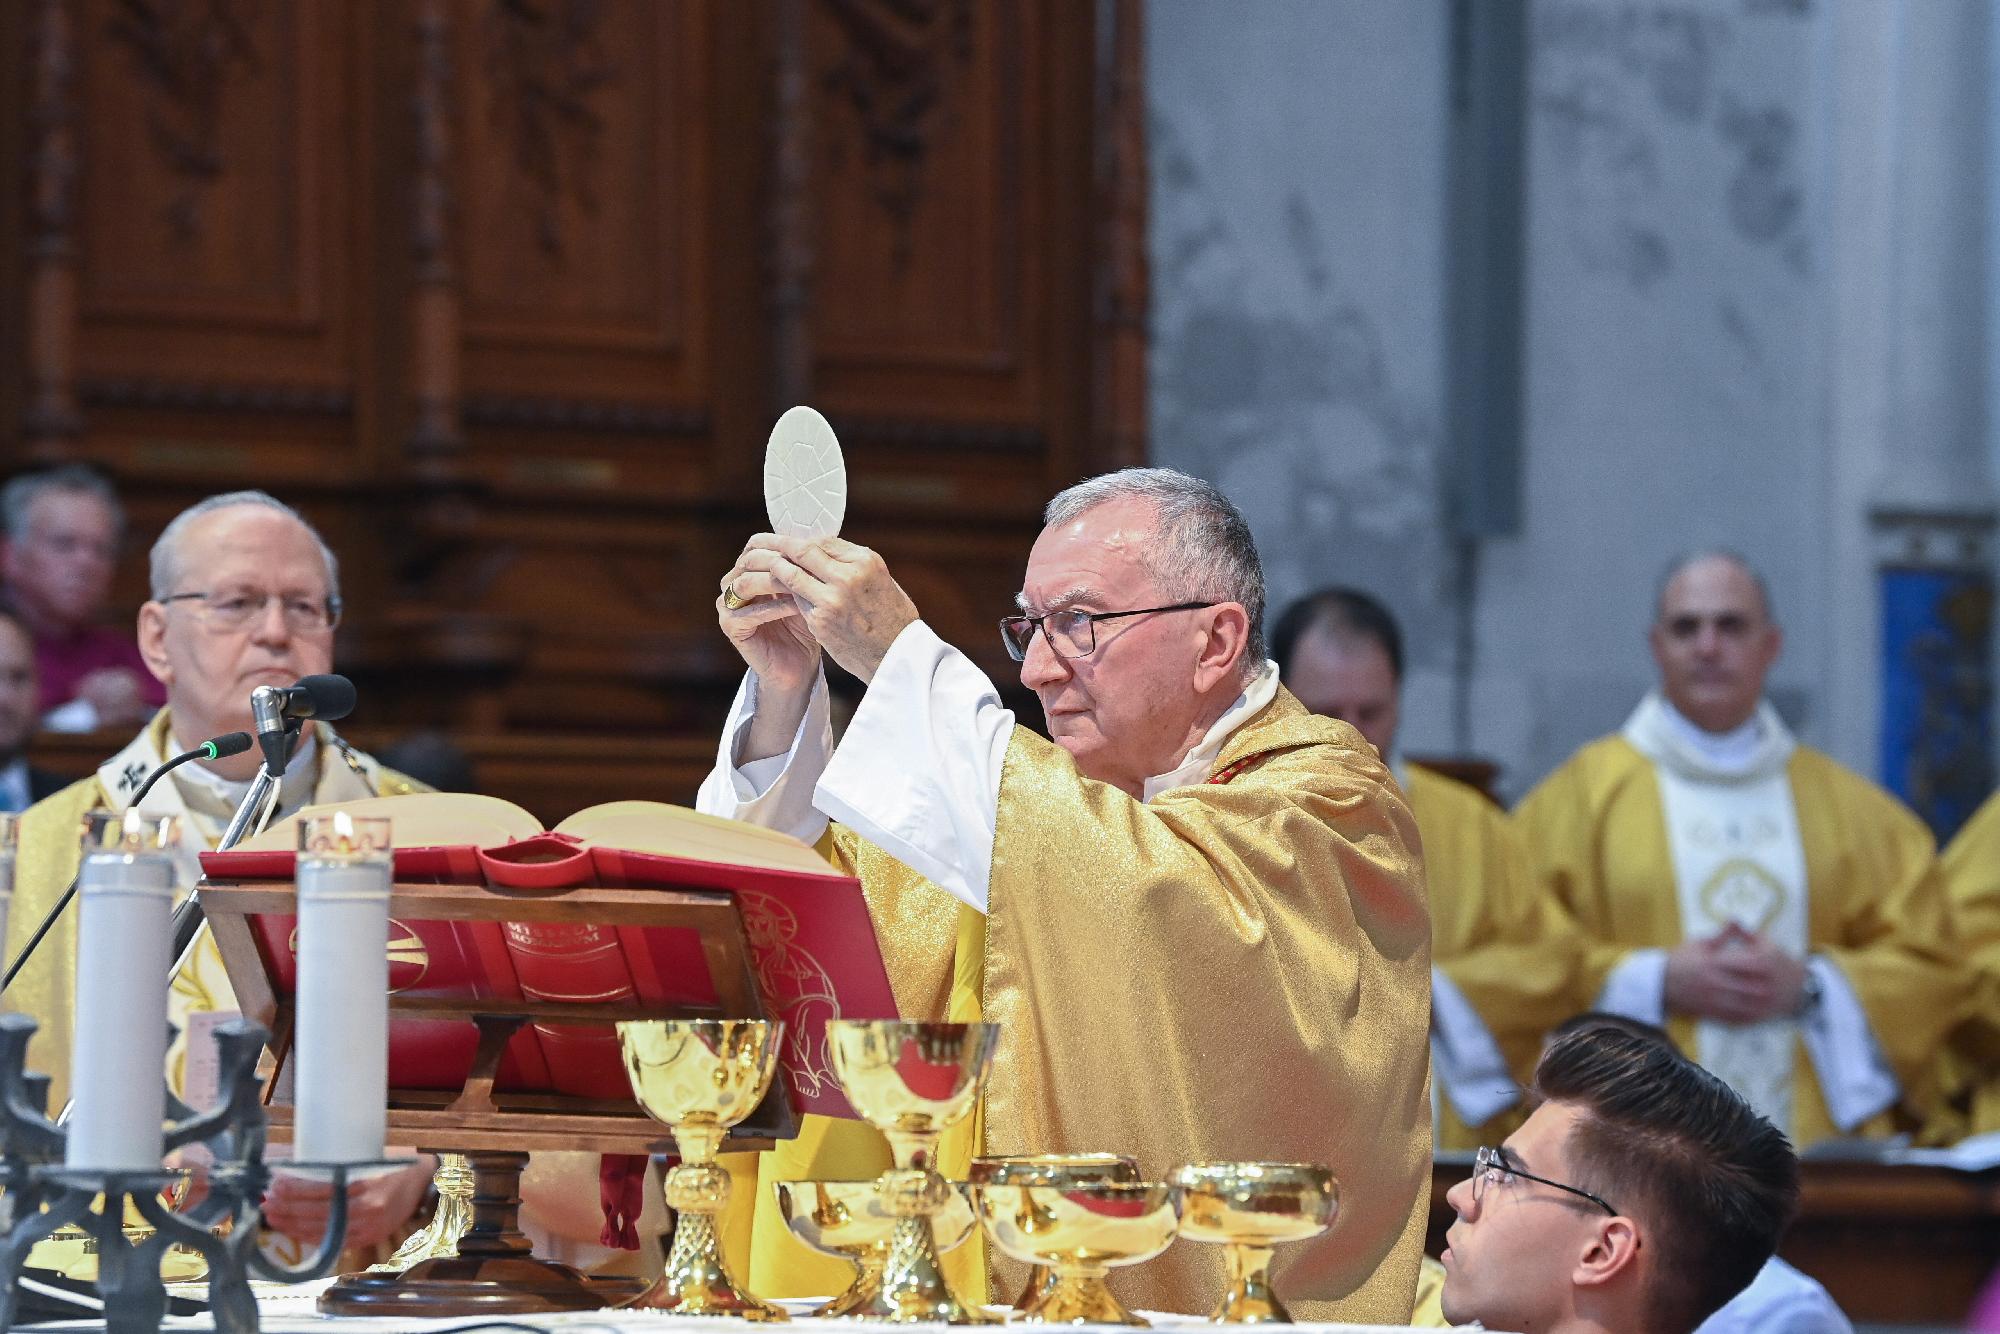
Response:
column 15, row 793
column 1195, row 766
column 1758, row 747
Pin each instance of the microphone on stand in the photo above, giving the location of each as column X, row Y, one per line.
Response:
column 229, row 743
column 278, row 710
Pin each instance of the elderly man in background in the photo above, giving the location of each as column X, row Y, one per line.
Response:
column 245, row 594
column 1782, row 916
column 63, row 528
column 1196, row 913
column 1503, row 962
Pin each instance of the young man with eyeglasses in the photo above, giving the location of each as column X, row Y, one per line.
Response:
column 245, row 594
column 1639, row 1197
column 1196, row 911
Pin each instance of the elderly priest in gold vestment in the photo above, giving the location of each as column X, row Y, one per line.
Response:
column 1197, row 914
column 1781, row 914
column 245, row 594
column 1503, row 960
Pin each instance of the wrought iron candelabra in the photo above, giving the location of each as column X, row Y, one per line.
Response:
column 38, row 1194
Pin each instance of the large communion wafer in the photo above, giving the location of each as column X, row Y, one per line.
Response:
column 805, row 478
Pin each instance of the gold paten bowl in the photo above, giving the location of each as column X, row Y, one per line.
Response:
column 850, row 1220
column 1081, row 1231
column 1048, row 1169
column 1252, row 1207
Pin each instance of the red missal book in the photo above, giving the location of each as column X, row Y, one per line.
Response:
column 811, row 938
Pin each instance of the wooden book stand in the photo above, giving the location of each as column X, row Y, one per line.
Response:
column 494, row 1271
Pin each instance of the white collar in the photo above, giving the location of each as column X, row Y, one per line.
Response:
column 1194, row 768
column 1758, row 748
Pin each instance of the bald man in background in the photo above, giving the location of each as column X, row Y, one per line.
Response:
column 1781, row 915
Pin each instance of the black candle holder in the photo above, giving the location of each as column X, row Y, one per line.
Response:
column 38, row 1194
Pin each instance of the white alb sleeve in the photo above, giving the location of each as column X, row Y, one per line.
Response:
column 1465, row 1058
column 1853, row 1073
column 1637, row 988
column 776, row 791
column 918, row 771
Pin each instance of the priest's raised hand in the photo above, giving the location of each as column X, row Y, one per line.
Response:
column 853, row 605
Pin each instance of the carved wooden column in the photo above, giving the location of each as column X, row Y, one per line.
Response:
column 790, row 220
column 435, row 432
column 50, row 414
column 1118, row 263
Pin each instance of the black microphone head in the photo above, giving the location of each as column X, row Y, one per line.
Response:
column 229, row 743
column 328, row 698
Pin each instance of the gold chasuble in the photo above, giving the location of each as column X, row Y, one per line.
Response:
column 50, row 852
column 1492, row 933
column 1875, row 904
column 1972, row 880
column 1236, row 970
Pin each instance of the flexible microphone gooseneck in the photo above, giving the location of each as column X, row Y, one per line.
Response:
column 279, row 711
column 230, row 743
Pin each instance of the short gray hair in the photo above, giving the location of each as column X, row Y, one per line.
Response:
column 166, row 557
column 18, row 497
column 1696, row 557
column 1203, row 551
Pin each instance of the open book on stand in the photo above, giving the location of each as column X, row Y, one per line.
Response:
column 811, row 940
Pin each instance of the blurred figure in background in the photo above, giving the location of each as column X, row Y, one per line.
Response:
column 1780, row 914
column 62, row 531
column 21, row 785
column 1972, row 1057
column 1503, row 967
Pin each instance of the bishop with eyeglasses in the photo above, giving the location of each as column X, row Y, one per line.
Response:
column 1196, row 910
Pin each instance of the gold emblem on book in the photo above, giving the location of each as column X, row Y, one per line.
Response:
column 798, row 987
column 409, row 958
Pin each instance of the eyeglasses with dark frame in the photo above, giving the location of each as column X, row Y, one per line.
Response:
column 1490, row 1167
column 239, row 610
column 1077, row 629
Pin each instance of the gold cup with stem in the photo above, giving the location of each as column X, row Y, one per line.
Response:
column 1251, row 1208
column 1081, row 1230
column 700, row 1076
column 1047, row 1169
column 912, row 1081
column 849, row 1219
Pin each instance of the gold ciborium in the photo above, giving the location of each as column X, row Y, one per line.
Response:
column 850, row 1220
column 1048, row 1169
column 912, row 1081
column 700, row 1076
column 1081, row 1231
column 1250, row 1208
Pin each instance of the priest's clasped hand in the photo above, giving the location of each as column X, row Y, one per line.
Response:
column 1735, row 976
column 853, row 607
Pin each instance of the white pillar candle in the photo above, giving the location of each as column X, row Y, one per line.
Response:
column 341, row 1034
column 118, row 1060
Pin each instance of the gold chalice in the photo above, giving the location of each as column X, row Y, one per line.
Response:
column 700, row 1076
column 1250, row 1208
column 1048, row 1169
column 912, row 1081
column 850, row 1220
column 1081, row 1230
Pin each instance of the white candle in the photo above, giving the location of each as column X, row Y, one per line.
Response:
column 118, row 1060
column 341, row 1034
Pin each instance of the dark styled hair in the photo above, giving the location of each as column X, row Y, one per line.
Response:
column 1670, row 1144
column 1348, row 612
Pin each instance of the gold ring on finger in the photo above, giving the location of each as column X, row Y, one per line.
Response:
column 731, row 599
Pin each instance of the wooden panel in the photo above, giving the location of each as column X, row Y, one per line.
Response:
column 931, row 193
column 216, row 202
column 584, row 190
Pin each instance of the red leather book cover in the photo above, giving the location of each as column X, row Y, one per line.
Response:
column 582, row 965
column 456, row 959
